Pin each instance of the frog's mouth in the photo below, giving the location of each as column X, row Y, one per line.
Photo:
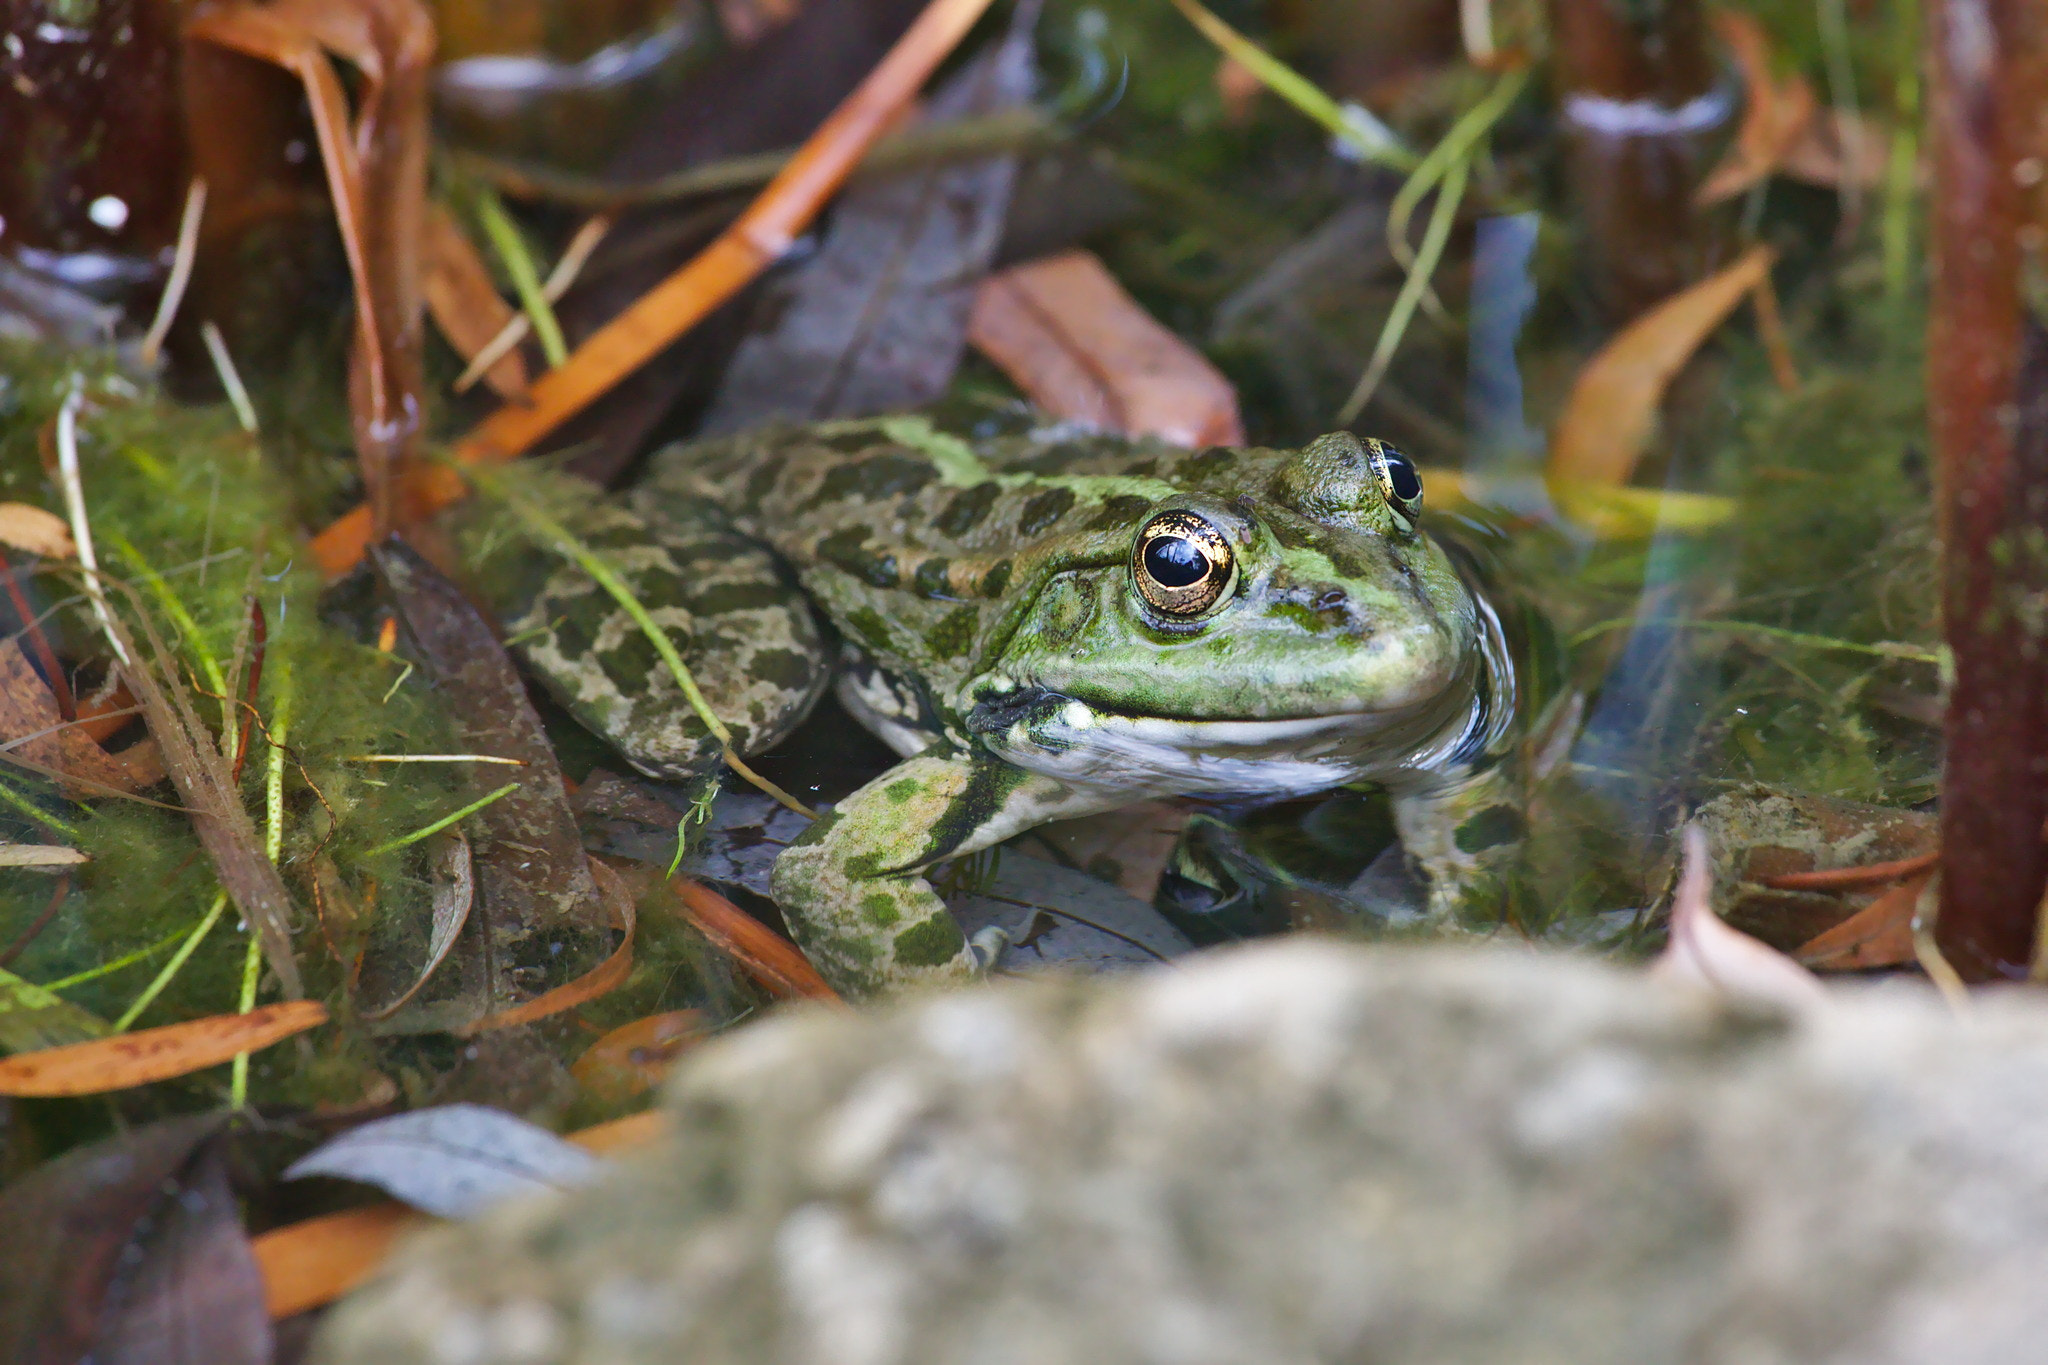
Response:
column 1069, row 737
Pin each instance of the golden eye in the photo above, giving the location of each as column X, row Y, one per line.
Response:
column 1181, row 563
column 1399, row 484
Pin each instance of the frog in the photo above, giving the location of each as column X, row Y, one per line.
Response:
column 1041, row 627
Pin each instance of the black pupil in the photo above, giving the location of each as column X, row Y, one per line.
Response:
column 1401, row 474
column 1174, row 562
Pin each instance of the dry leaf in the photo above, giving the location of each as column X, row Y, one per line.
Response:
column 1817, row 154
column 38, row 736
column 39, row 855
column 633, row 1058
column 1878, row 935
column 156, row 1054
column 454, row 894
column 1068, row 335
column 772, row 960
column 1707, row 952
column 1776, row 113
column 1128, row 847
column 1612, row 411
column 35, row 530
column 605, row 977
column 316, row 1261
column 452, row 1160
column 464, row 302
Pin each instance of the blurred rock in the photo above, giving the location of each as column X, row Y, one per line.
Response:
column 1293, row 1152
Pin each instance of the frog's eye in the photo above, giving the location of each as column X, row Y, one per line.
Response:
column 1182, row 564
column 1399, row 483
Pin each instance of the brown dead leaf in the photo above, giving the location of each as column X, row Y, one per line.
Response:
column 632, row 1059
column 157, row 1054
column 1068, row 335
column 772, row 960
column 1705, row 951
column 37, row 734
column 40, row 532
column 1127, row 847
column 605, row 977
column 1817, row 155
column 1878, row 935
column 464, row 301
column 1776, row 113
column 1612, row 411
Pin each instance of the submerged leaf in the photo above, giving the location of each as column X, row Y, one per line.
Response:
column 1878, row 935
column 1068, row 335
column 65, row 1226
column 193, row 1295
column 1608, row 420
column 877, row 319
column 633, row 1058
column 455, row 1160
column 772, row 960
column 454, row 894
column 465, row 304
column 157, row 1054
column 1776, row 113
column 35, row 731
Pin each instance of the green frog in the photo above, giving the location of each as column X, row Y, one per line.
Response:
column 1043, row 627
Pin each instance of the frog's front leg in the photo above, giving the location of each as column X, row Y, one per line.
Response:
column 852, row 887
column 1463, row 835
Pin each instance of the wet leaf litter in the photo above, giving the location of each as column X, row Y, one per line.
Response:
column 260, row 748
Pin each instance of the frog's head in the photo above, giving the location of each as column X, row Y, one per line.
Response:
column 1303, row 612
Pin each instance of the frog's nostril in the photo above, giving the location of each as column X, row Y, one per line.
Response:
column 1330, row 599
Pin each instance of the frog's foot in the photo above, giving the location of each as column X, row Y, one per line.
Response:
column 1463, row 837
column 988, row 946
column 853, row 890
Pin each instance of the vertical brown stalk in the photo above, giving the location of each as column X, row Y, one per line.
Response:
column 1644, row 111
column 1989, row 419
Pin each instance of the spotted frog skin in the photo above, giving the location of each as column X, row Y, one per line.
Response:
column 1042, row 629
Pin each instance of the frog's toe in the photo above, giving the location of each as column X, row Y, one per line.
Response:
column 988, row 946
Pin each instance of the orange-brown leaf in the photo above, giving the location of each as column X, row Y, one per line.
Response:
column 36, row 530
column 632, row 1058
column 465, row 303
column 1612, row 411
column 27, row 708
column 157, row 1054
column 1068, row 335
column 316, row 1261
column 765, row 955
column 1775, row 116
column 1878, row 935
column 605, row 977
column 1832, row 138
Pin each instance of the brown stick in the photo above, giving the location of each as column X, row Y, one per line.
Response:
column 1988, row 67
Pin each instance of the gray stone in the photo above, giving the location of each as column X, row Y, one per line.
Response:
column 1290, row 1153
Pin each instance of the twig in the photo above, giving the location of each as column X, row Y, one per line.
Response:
column 181, row 272
column 42, row 922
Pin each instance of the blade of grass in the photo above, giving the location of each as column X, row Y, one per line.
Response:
column 273, row 845
column 1433, row 240
column 428, row 831
column 1290, row 85
column 175, row 965
column 518, row 262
